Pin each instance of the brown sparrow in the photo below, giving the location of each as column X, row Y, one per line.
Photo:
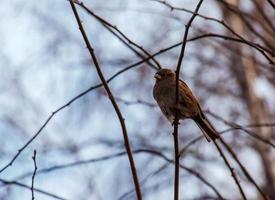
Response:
column 165, row 92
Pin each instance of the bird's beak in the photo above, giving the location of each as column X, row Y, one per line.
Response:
column 157, row 76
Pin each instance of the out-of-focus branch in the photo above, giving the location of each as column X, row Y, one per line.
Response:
column 127, row 194
column 251, row 16
column 189, row 144
column 264, row 15
column 73, row 164
column 236, row 126
column 5, row 182
column 139, row 102
column 121, row 35
column 176, row 120
column 251, row 44
column 189, row 170
column 258, row 47
column 34, row 172
column 248, row 18
column 113, row 156
column 110, row 95
column 229, row 149
column 271, row 3
column 30, row 141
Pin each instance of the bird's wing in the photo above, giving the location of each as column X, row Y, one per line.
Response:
column 186, row 96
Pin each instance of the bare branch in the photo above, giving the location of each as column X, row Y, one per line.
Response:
column 231, row 170
column 249, row 177
column 237, row 126
column 34, row 172
column 176, row 120
column 241, row 39
column 119, row 115
column 271, row 3
column 115, row 155
column 189, row 144
column 5, row 182
column 109, row 26
column 139, row 101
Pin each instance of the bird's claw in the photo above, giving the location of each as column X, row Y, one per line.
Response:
column 174, row 123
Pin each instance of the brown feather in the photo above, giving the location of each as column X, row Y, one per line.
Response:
column 164, row 93
column 207, row 128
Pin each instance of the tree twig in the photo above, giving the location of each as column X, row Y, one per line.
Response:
column 112, row 99
column 176, row 120
column 119, row 154
column 34, row 172
column 121, row 35
column 271, row 4
column 5, row 182
column 237, row 126
column 189, row 144
column 246, row 173
column 256, row 46
column 231, row 170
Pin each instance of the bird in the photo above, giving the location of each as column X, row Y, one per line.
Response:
column 164, row 92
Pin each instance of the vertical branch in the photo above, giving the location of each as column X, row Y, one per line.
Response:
column 177, row 157
column 112, row 99
column 34, row 172
column 176, row 120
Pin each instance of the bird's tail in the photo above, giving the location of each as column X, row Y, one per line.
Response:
column 206, row 127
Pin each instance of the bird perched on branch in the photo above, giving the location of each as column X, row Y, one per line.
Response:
column 188, row 107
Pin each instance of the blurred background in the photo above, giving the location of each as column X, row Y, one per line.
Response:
column 44, row 63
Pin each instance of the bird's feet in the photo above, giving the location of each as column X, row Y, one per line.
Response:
column 174, row 122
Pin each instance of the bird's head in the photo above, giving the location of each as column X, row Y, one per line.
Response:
column 164, row 74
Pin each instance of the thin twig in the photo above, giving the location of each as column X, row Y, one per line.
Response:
column 231, row 170
column 109, row 26
column 183, row 150
column 251, row 44
column 189, row 170
column 246, row 173
column 261, row 10
column 5, row 182
column 127, row 194
column 258, row 47
column 176, row 120
column 271, row 3
column 110, row 95
column 249, row 177
column 237, row 126
column 30, row 141
column 34, row 172
column 72, row 164
column 119, row 154
column 189, row 144
column 139, row 101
